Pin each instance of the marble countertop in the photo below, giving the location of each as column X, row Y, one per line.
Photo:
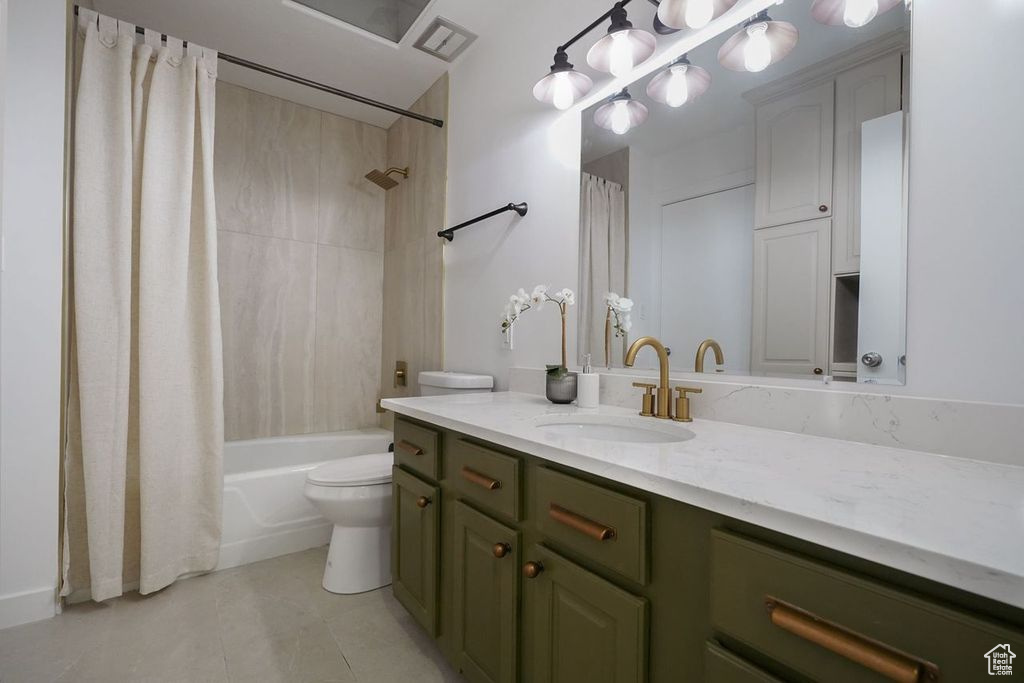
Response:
column 956, row 521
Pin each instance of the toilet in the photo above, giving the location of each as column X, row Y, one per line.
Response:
column 354, row 494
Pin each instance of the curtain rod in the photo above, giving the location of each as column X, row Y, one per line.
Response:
column 270, row 71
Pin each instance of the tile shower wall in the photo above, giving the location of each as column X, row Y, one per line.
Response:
column 301, row 266
column 413, row 271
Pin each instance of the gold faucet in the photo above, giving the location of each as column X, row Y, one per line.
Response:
column 663, row 404
column 702, row 350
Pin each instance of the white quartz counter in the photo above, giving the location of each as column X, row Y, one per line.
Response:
column 956, row 521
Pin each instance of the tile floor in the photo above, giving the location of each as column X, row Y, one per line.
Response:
column 268, row 621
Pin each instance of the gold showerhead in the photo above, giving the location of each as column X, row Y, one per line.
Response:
column 384, row 179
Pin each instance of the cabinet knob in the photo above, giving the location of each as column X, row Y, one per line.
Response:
column 532, row 570
column 871, row 359
column 422, row 502
column 500, row 550
column 818, row 371
column 823, row 208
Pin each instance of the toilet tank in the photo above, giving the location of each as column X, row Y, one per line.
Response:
column 436, row 382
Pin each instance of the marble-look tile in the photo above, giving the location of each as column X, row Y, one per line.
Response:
column 348, row 337
column 266, row 164
column 382, row 642
column 979, row 431
column 351, row 207
column 267, row 621
column 405, row 315
column 268, row 295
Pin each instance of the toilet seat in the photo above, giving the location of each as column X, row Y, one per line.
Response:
column 359, row 470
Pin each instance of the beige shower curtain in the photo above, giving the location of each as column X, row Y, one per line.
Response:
column 603, row 254
column 143, row 473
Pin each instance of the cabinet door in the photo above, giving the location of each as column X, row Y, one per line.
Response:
column 791, row 285
column 414, row 546
column 864, row 93
column 486, row 597
column 794, row 157
column 577, row 627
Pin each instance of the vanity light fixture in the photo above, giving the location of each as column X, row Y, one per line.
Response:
column 564, row 86
column 623, row 48
column 760, row 43
column 621, row 113
column 680, row 83
column 692, row 13
column 852, row 13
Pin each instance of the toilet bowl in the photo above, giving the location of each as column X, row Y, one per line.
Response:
column 355, row 495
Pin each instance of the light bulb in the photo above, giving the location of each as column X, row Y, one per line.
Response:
column 621, row 54
column 620, row 117
column 699, row 13
column 757, row 53
column 677, row 91
column 561, row 89
column 856, row 13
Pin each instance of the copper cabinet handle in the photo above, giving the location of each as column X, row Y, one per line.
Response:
column 587, row 527
column 422, row 502
column 410, row 448
column 532, row 570
column 500, row 550
column 474, row 477
column 871, row 654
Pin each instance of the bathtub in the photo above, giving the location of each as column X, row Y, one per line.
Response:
column 265, row 511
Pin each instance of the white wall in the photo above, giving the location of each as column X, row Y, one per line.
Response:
column 965, row 312
column 30, row 307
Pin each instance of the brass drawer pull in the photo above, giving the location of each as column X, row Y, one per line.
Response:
column 422, row 502
column 500, row 550
column 474, row 477
column 871, row 654
column 532, row 570
column 410, row 448
column 587, row 527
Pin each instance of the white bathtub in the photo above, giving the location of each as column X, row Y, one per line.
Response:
column 265, row 511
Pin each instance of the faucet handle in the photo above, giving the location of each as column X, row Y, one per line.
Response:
column 647, row 408
column 683, row 403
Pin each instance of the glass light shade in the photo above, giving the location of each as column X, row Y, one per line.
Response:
column 679, row 84
column 562, row 88
column 852, row 13
column 758, row 44
column 621, row 114
column 692, row 13
column 621, row 50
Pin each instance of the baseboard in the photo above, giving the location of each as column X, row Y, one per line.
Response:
column 22, row 608
column 273, row 545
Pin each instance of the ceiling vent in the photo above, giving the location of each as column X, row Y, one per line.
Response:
column 444, row 39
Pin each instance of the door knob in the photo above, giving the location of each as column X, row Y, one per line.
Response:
column 500, row 550
column 871, row 359
column 823, row 208
column 532, row 570
column 422, row 502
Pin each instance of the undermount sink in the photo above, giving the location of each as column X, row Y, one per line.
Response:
column 614, row 429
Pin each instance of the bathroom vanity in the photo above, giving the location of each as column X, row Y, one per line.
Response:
column 541, row 543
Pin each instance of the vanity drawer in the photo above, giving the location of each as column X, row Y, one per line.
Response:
column 831, row 625
column 606, row 526
column 416, row 448
column 486, row 477
column 722, row 666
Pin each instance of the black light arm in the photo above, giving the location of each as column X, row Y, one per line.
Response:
column 449, row 234
column 600, row 20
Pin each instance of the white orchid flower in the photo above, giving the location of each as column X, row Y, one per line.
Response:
column 567, row 296
column 539, row 296
column 625, row 323
column 625, row 305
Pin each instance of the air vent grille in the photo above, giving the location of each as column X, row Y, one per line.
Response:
column 444, row 39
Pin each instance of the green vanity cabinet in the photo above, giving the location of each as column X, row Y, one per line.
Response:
column 525, row 571
column 485, row 597
column 577, row 627
column 415, row 529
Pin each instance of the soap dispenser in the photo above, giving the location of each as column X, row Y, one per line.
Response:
column 589, row 386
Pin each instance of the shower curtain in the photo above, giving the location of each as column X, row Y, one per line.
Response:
column 603, row 254
column 144, row 437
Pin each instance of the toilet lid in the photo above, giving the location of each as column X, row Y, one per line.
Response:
column 358, row 470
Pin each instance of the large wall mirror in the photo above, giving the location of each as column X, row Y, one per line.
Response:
column 763, row 210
